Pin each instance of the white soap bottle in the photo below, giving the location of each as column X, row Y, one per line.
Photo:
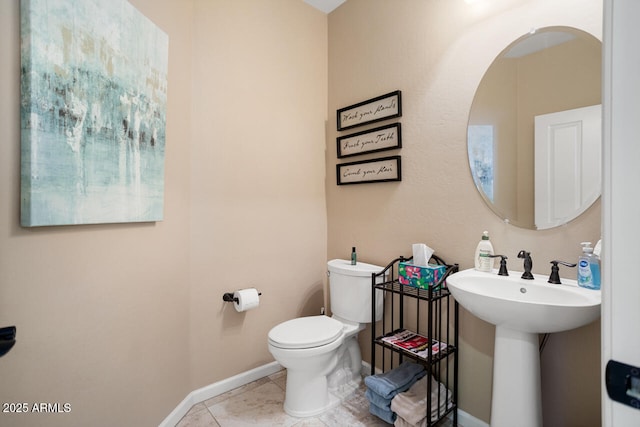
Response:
column 482, row 260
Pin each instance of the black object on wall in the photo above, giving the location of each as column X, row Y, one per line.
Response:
column 623, row 383
column 7, row 339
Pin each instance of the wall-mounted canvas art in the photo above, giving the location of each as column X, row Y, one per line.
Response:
column 93, row 113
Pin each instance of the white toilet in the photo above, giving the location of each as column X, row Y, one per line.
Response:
column 321, row 353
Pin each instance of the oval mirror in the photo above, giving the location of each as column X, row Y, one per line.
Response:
column 534, row 138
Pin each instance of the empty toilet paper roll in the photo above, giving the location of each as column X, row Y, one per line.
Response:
column 246, row 299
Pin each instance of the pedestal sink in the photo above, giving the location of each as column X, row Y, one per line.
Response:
column 521, row 309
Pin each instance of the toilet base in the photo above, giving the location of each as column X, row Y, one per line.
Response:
column 315, row 397
column 314, row 394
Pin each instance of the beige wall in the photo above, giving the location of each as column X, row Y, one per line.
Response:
column 258, row 215
column 436, row 52
column 123, row 321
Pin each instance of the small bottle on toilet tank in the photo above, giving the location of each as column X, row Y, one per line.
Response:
column 354, row 256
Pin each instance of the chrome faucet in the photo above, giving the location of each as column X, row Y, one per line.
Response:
column 528, row 264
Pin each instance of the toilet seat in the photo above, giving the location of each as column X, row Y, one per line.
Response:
column 305, row 332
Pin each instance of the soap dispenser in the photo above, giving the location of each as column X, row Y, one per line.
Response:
column 588, row 268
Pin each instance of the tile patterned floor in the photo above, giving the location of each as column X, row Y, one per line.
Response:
column 260, row 404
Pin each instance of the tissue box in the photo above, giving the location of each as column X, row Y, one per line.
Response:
column 420, row 277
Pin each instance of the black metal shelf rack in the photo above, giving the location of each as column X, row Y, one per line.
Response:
column 432, row 313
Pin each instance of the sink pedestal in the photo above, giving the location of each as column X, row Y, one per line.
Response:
column 516, row 397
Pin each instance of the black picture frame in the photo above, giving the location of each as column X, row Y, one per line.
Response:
column 383, row 107
column 383, row 169
column 382, row 138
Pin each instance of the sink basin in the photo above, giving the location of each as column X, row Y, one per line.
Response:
column 521, row 309
column 525, row 305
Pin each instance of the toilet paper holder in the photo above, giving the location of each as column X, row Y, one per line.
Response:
column 228, row 297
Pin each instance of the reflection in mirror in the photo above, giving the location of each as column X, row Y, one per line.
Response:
column 534, row 147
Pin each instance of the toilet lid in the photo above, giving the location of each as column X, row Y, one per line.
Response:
column 306, row 332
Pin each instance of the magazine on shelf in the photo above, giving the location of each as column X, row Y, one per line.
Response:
column 413, row 342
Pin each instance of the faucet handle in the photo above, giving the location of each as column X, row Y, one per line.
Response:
column 503, row 264
column 528, row 264
column 555, row 271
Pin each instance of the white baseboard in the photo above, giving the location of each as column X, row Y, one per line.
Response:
column 217, row 388
column 366, row 369
column 467, row 420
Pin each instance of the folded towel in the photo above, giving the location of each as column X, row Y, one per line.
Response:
column 387, row 384
column 401, row 422
column 411, row 405
column 375, row 399
column 385, row 415
column 385, row 403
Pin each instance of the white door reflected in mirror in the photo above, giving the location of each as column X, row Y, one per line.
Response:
column 567, row 164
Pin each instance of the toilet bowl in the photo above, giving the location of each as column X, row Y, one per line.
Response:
column 321, row 353
column 322, row 359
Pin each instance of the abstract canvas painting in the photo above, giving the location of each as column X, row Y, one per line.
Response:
column 93, row 113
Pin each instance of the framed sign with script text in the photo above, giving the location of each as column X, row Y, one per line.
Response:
column 372, row 110
column 369, row 141
column 377, row 170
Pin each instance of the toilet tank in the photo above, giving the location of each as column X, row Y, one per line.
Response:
column 350, row 290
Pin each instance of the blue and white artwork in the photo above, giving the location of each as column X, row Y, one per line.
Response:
column 93, row 113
